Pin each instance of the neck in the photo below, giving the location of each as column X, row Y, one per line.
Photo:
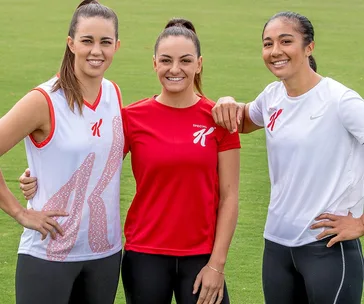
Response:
column 182, row 99
column 301, row 83
column 90, row 88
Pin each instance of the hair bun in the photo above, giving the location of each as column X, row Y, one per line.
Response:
column 181, row 23
column 85, row 2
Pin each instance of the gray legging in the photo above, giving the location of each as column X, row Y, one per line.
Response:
column 313, row 273
column 47, row 282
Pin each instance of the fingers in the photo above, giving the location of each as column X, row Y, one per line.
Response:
column 323, row 224
column 239, row 114
column 220, row 296
column 197, row 283
column 327, row 216
column 229, row 118
column 203, row 296
column 213, row 298
column 55, row 225
column 334, row 240
column 326, row 233
column 29, row 194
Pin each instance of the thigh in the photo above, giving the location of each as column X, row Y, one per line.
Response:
column 187, row 271
column 44, row 281
column 147, row 278
column 281, row 281
column 98, row 281
column 332, row 275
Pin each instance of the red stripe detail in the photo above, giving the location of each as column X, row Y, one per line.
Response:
column 119, row 95
column 53, row 121
column 96, row 103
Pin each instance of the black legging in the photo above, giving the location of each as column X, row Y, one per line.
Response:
column 47, row 282
column 152, row 279
column 313, row 273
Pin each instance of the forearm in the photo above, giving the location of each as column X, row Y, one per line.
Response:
column 8, row 202
column 226, row 223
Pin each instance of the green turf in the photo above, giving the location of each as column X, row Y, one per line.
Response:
column 32, row 42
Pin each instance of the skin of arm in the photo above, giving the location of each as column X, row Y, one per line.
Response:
column 233, row 116
column 212, row 281
column 30, row 115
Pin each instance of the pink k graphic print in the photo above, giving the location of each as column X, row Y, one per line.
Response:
column 59, row 248
column 273, row 119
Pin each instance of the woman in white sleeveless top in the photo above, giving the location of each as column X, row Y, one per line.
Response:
column 70, row 249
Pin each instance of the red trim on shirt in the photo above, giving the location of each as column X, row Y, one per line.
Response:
column 119, row 95
column 96, row 103
column 53, row 121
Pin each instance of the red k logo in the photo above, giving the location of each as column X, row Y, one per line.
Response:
column 273, row 118
column 96, row 128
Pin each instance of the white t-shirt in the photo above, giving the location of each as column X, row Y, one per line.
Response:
column 78, row 169
column 315, row 156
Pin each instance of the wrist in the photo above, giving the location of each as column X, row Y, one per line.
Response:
column 362, row 224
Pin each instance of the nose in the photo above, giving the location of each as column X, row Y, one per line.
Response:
column 96, row 49
column 175, row 69
column 276, row 50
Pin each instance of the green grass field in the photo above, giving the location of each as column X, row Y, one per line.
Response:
column 32, row 42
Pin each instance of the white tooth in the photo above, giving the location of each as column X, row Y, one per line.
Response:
column 174, row 78
column 280, row 62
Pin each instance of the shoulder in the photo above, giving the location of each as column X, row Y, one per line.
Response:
column 336, row 91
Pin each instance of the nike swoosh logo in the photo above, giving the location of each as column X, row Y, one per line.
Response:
column 314, row 117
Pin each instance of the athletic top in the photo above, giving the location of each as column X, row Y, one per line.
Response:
column 78, row 169
column 315, row 157
column 174, row 156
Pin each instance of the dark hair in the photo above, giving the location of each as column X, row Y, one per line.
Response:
column 304, row 26
column 185, row 28
column 67, row 80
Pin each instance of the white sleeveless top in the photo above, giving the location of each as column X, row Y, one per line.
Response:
column 78, row 169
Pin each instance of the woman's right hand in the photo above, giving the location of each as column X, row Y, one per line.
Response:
column 28, row 184
column 229, row 114
column 42, row 221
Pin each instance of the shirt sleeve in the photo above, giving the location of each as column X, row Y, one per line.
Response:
column 351, row 113
column 125, row 128
column 255, row 110
column 228, row 141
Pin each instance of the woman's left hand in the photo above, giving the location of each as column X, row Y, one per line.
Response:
column 344, row 227
column 212, row 286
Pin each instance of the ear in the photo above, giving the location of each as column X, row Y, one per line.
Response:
column 71, row 44
column 310, row 48
column 199, row 65
column 117, row 45
column 154, row 63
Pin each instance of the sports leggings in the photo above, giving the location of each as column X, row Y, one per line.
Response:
column 152, row 279
column 313, row 273
column 47, row 282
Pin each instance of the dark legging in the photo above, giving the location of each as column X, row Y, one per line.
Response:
column 152, row 279
column 47, row 282
column 313, row 273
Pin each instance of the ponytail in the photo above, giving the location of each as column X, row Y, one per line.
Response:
column 312, row 62
column 68, row 80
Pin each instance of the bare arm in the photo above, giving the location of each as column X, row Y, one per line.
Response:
column 212, row 275
column 29, row 116
column 233, row 116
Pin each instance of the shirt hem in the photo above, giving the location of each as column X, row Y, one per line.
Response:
column 170, row 252
column 79, row 258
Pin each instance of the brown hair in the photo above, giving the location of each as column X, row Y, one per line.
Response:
column 67, row 80
column 303, row 26
column 185, row 28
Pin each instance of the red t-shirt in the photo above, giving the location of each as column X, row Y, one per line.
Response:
column 174, row 157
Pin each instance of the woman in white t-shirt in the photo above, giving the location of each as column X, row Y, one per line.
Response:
column 314, row 134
